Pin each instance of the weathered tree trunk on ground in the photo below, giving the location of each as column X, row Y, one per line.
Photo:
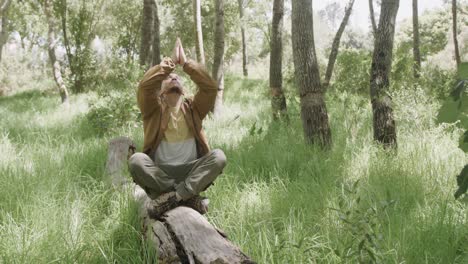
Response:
column 156, row 36
column 372, row 17
column 455, row 32
column 244, row 44
column 336, row 43
column 4, row 5
column 198, row 32
column 416, row 51
column 182, row 235
column 146, row 32
column 218, row 59
column 278, row 101
column 313, row 109
column 51, row 44
column 384, row 123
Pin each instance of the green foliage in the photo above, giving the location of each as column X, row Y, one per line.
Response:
column 433, row 28
column 455, row 109
column 113, row 111
column 124, row 27
column 352, row 71
column 80, row 19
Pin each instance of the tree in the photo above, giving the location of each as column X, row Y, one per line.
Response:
column 278, row 101
column 455, row 32
column 156, row 35
column 336, row 43
column 218, row 60
column 244, row 45
column 4, row 5
column 198, row 31
column 51, row 45
column 79, row 22
column 146, row 31
column 416, row 51
column 384, row 123
column 313, row 109
column 372, row 17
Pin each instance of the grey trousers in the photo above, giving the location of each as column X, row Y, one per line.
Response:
column 187, row 179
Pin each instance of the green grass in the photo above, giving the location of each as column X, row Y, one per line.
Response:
column 278, row 199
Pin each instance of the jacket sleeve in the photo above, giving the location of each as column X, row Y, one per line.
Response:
column 205, row 97
column 150, row 86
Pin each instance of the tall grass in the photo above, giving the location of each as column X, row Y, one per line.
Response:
column 278, row 199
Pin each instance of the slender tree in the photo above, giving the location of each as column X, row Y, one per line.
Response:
column 4, row 5
column 455, row 32
column 156, row 35
column 218, row 60
column 336, row 43
column 416, row 51
column 146, row 31
column 278, row 101
column 372, row 17
column 384, row 123
column 198, row 31
column 244, row 45
column 313, row 109
column 51, row 45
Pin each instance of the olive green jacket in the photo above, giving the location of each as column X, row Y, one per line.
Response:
column 154, row 110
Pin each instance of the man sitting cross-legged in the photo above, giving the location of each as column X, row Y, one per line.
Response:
column 177, row 163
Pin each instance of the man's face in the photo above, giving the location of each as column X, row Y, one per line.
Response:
column 171, row 89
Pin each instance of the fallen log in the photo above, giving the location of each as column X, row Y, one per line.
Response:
column 182, row 235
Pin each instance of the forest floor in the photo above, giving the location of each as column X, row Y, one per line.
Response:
column 278, row 199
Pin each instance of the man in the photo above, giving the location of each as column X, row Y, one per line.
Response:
column 177, row 163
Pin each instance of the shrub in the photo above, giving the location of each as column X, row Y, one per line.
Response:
column 114, row 110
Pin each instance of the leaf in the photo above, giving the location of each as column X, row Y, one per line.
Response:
column 252, row 129
column 463, row 142
column 463, row 71
column 462, row 181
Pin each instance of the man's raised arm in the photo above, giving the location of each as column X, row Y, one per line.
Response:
column 150, row 86
column 205, row 97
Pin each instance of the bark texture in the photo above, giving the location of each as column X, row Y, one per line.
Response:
column 244, row 44
column 278, row 101
column 455, row 32
column 218, row 59
column 372, row 17
column 384, row 123
column 156, row 35
column 4, row 5
column 146, row 31
column 51, row 44
column 416, row 51
column 182, row 235
column 336, row 43
column 313, row 109
column 198, row 32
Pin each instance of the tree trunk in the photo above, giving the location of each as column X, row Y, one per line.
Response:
column 384, row 124
column 455, row 32
column 244, row 45
column 336, row 43
column 372, row 17
column 416, row 51
column 51, row 44
column 198, row 31
column 313, row 109
column 218, row 61
column 146, row 31
column 278, row 101
column 156, row 36
column 181, row 235
column 4, row 5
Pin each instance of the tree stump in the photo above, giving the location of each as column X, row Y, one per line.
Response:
column 182, row 235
